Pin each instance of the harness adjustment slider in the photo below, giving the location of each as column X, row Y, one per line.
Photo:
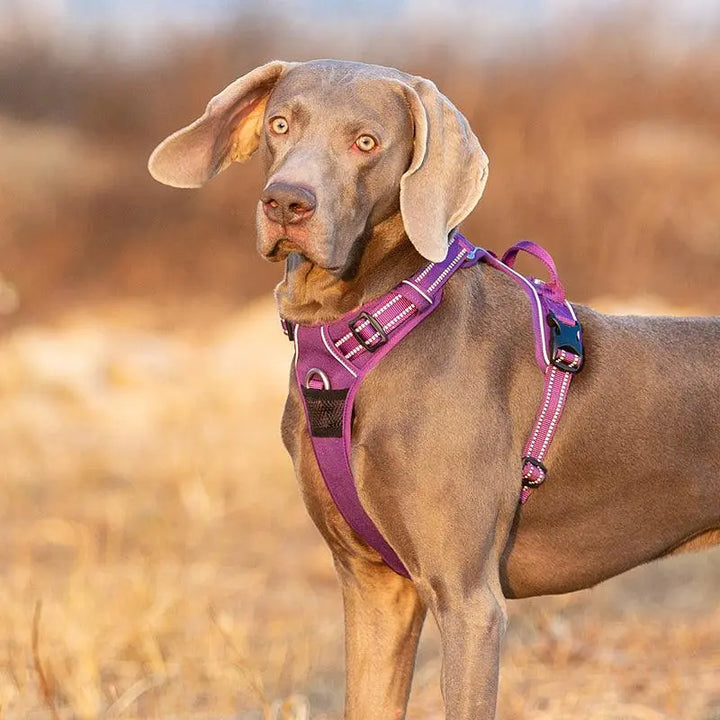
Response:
column 374, row 324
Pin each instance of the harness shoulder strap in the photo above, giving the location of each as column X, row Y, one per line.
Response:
column 331, row 362
column 558, row 352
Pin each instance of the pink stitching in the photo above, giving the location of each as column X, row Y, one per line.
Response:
column 459, row 257
column 419, row 277
column 558, row 410
column 398, row 318
column 541, row 415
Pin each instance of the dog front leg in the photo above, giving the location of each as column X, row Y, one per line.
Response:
column 383, row 619
column 471, row 628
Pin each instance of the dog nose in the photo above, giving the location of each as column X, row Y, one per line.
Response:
column 287, row 204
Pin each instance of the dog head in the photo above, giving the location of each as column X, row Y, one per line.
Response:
column 346, row 146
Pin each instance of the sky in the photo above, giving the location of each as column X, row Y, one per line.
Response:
column 138, row 22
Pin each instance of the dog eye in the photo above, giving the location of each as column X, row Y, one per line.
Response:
column 365, row 143
column 279, row 125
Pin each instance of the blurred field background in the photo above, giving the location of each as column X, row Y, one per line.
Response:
column 155, row 557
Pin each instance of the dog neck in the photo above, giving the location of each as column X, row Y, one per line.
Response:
column 309, row 294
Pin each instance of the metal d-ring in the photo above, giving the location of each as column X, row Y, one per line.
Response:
column 312, row 372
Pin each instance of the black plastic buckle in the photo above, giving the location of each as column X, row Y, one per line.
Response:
column 376, row 326
column 565, row 337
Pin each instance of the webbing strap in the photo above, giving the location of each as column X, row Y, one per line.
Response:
column 555, row 390
column 558, row 352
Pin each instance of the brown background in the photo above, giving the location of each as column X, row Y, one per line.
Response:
column 156, row 559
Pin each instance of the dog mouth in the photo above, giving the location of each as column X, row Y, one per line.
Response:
column 281, row 248
column 285, row 247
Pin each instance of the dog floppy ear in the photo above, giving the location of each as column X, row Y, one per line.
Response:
column 447, row 173
column 228, row 131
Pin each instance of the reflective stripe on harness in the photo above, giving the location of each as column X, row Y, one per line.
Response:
column 331, row 361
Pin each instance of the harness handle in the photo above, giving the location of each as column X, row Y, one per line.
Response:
column 554, row 288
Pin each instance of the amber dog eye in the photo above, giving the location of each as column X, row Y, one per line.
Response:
column 279, row 125
column 365, row 143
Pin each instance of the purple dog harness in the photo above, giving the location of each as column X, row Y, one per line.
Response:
column 331, row 361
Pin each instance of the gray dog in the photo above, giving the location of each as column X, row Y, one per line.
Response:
column 368, row 171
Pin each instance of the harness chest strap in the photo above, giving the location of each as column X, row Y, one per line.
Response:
column 331, row 360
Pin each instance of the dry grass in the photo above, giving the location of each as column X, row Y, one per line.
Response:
column 158, row 561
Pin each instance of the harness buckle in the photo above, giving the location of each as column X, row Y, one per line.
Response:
column 565, row 339
column 374, row 324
